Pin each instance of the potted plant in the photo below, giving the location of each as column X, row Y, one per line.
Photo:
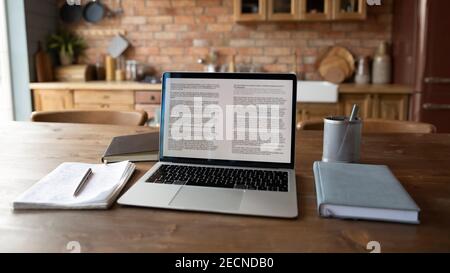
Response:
column 68, row 45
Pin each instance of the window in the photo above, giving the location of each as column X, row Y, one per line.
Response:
column 6, row 106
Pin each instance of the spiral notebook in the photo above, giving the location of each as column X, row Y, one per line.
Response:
column 56, row 190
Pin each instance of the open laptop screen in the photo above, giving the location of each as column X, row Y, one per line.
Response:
column 228, row 117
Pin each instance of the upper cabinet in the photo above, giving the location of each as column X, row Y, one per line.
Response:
column 316, row 10
column 349, row 10
column 283, row 10
column 298, row 10
column 250, row 10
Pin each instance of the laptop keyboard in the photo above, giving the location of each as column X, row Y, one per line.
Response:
column 231, row 178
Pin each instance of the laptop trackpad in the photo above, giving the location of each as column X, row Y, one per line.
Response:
column 207, row 199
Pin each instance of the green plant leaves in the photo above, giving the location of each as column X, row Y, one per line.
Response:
column 66, row 42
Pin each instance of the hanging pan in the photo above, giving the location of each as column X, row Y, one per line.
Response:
column 94, row 11
column 70, row 13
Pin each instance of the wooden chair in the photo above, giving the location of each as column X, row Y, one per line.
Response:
column 374, row 126
column 137, row 118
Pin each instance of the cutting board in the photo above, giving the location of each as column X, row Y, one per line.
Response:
column 43, row 63
column 337, row 65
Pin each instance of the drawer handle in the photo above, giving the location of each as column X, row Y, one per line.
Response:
column 437, row 80
column 433, row 106
column 106, row 97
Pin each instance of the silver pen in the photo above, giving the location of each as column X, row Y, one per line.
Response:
column 83, row 182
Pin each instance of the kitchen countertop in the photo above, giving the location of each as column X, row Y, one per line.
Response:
column 97, row 85
column 103, row 85
column 375, row 88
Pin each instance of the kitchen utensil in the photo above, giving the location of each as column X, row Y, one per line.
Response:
column 334, row 75
column 362, row 71
column 43, row 63
column 110, row 66
column 232, row 64
column 117, row 11
column 381, row 67
column 94, row 11
column 344, row 53
column 120, row 69
column 100, row 69
column 336, row 61
column 337, row 65
column 334, row 69
column 117, row 46
column 131, row 70
column 70, row 13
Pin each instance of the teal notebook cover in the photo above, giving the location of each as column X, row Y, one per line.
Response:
column 371, row 192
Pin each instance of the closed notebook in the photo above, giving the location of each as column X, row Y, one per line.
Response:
column 141, row 147
column 56, row 190
column 368, row 192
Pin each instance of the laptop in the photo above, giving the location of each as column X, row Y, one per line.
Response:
column 227, row 145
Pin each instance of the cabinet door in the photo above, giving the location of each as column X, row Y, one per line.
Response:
column 391, row 107
column 349, row 9
column 283, row 10
column 316, row 10
column 53, row 100
column 104, row 97
column 250, row 10
column 364, row 101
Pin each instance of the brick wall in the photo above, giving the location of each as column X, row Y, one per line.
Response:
column 173, row 34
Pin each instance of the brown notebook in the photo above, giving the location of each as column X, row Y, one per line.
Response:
column 135, row 148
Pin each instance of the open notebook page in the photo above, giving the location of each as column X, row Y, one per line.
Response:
column 57, row 187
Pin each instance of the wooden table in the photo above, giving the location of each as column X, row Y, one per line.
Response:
column 29, row 151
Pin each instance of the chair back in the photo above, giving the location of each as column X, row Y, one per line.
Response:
column 135, row 118
column 379, row 126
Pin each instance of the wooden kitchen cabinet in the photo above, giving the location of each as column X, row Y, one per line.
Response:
column 349, row 10
column 393, row 107
column 315, row 111
column 376, row 101
column 299, row 10
column 113, row 96
column 104, row 106
column 316, row 10
column 250, row 10
column 283, row 10
column 363, row 100
column 389, row 102
column 53, row 100
column 104, row 100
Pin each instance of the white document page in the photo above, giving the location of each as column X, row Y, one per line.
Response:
column 236, row 135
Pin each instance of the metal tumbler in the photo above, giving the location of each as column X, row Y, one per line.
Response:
column 341, row 140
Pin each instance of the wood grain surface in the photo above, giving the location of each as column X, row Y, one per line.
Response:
column 28, row 151
column 346, row 88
